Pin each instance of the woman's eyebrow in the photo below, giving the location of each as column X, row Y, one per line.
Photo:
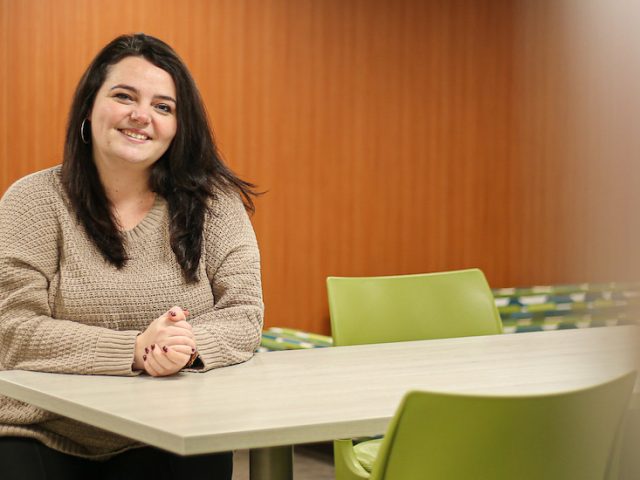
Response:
column 135, row 90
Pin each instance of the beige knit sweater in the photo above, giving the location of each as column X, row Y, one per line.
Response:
column 63, row 308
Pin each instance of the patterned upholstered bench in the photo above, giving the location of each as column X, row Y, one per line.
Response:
column 276, row 338
column 567, row 306
column 521, row 310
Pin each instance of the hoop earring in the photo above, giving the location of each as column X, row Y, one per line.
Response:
column 84, row 140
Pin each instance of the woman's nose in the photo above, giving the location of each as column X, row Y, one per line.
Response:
column 140, row 117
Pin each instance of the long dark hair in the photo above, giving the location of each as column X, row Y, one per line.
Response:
column 187, row 175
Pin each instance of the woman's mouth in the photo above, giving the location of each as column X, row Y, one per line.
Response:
column 133, row 134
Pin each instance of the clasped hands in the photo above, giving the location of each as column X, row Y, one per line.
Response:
column 167, row 344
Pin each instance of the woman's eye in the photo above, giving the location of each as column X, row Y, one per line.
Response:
column 122, row 96
column 164, row 108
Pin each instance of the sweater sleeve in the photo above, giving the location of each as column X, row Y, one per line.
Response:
column 30, row 339
column 232, row 331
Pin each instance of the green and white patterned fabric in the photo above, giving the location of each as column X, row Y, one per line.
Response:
column 567, row 306
column 276, row 338
column 524, row 309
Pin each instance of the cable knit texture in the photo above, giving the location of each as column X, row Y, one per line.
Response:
column 64, row 309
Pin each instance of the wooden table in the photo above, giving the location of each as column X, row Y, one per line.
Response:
column 279, row 399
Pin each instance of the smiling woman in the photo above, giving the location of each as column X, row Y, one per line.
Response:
column 133, row 123
column 133, row 119
column 134, row 256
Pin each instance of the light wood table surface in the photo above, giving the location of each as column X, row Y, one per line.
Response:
column 279, row 399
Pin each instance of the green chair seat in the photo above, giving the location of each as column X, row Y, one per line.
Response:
column 366, row 452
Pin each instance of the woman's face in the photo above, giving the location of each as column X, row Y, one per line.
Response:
column 133, row 119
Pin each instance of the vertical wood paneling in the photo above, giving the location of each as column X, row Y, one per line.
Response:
column 391, row 136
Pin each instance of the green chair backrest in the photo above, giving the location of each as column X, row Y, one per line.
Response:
column 411, row 307
column 551, row 437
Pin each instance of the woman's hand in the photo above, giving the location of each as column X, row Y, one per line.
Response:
column 163, row 361
column 166, row 345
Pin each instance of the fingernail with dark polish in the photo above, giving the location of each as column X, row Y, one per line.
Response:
column 153, row 346
column 144, row 358
column 165, row 349
column 172, row 313
column 193, row 350
column 146, row 350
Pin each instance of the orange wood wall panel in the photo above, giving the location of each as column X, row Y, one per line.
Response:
column 390, row 136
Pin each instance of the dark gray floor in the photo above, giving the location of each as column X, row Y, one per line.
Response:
column 309, row 463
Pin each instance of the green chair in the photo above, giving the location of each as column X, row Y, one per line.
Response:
column 411, row 307
column 561, row 436
column 404, row 308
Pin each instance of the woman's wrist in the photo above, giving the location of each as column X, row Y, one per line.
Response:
column 138, row 355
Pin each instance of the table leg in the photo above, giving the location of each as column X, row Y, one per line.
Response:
column 273, row 463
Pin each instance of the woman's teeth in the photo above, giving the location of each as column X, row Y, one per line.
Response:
column 137, row 136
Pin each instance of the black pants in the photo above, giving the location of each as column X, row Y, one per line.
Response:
column 28, row 459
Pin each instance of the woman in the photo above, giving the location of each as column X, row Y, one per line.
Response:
column 135, row 256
